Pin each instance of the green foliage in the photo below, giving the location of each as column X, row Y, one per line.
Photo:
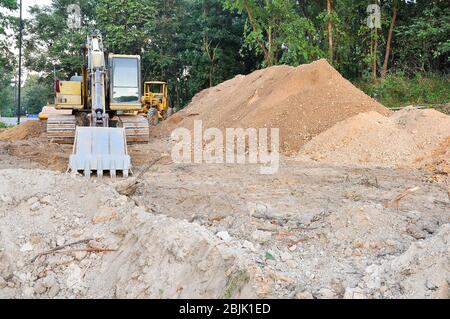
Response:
column 6, row 56
column 7, row 101
column 36, row 94
column 193, row 44
column 3, row 125
column 126, row 25
column 424, row 38
column 210, row 29
column 277, row 32
column 49, row 43
column 235, row 283
column 400, row 90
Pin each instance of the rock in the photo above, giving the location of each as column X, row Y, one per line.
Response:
column 261, row 236
column 358, row 243
column 80, row 255
column 291, row 263
column 50, row 280
column 3, row 283
column 35, row 207
column 416, row 232
column 40, row 288
column 326, row 293
column 28, row 292
column 373, row 279
column 47, row 200
column 354, row 293
column 26, row 247
column 60, row 240
column 5, row 198
column 304, row 295
column 105, row 214
column 53, row 291
column 431, row 285
column 261, row 209
column 248, row 245
column 74, row 278
column 224, row 235
column 32, row 201
column 285, row 256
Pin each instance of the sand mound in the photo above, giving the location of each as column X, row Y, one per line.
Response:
column 23, row 131
column 407, row 138
column 302, row 102
column 439, row 162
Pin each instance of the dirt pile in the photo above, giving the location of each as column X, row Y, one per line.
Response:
column 405, row 139
column 38, row 150
column 27, row 130
column 302, row 102
column 439, row 162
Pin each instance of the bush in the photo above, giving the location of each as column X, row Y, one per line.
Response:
column 3, row 125
column 398, row 90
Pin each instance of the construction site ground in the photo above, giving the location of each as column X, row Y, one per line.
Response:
column 341, row 219
column 313, row 230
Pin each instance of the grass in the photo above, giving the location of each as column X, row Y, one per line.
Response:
column 3, row 125
column 235, row 284
column 398, row 90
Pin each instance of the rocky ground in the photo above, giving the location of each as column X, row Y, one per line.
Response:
column 311, row 231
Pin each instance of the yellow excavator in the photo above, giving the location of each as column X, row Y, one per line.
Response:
column 156, row 101
column 104, row 103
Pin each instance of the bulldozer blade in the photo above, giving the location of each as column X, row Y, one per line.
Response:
column 100, row 149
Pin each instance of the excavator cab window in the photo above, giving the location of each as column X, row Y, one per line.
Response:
column 125, row 80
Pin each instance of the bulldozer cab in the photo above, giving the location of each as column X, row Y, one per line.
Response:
column 155, row 89
column 155, row 101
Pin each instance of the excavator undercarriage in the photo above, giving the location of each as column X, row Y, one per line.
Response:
column 61, row 128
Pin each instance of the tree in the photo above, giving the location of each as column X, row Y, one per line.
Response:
column 126, row 25
column 50, row 45
column 6, row 56
column 422, row 35
column 206, row 48
column 36, row 94
column 276, row 30
column 389, row 39
column 330, row 8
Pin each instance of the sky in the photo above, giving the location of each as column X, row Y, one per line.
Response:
column 28, row 3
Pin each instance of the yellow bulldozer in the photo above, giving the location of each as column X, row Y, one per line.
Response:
column 156, row 102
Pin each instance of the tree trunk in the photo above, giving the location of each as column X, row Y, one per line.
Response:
column 260, row 43
column 270, row 49
column 374, row 57
column 211, row 67
column 330, row 30
column 389, row 41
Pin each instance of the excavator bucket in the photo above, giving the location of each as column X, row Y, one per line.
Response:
column 100, row 149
